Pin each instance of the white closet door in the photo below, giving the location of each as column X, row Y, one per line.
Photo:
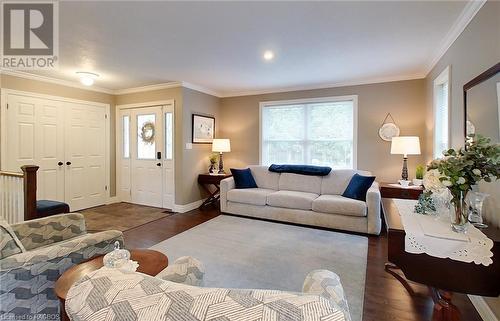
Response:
column 35, row 137
column 85, row 149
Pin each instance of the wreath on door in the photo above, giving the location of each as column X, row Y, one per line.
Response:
column 148, row 132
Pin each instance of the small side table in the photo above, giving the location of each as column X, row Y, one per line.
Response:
column 150, row 262
column 205, row 180
column 394, row 190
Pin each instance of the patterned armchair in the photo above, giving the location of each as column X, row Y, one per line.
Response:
column 175, row 294
column 33, row 255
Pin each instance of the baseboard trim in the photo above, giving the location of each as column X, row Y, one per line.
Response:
column 482, row 308
column 187, row 207
column 112, row 200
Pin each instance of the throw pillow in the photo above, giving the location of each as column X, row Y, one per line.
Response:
column 358, row 186
column 243, row 178
column 9, row 243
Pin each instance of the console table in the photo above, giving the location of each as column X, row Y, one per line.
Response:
column 207, row 180
column 394, row 190
column 443, row 276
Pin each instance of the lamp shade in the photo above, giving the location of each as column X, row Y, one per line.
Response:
column 405, row 145
column 221, row 145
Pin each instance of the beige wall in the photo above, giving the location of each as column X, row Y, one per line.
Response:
column 22, row 84
column 405, row 100
column 195, row 161
column 474, row 51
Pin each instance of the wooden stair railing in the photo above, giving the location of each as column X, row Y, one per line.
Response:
column 18, row 194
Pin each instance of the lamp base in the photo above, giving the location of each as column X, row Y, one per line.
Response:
column 404, row 172
column 221, row 165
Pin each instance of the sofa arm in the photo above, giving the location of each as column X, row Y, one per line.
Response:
column 48, row 230
column 185, row 270
column 27, row 280
column 327, row 285
column 373, row 203
column 226, row 185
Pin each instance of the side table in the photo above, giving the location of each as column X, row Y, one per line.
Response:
column 150, row 262
column 207, row 180
column 394, row 190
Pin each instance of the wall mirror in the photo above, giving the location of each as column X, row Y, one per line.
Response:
column 482, row 104
column 482, row 116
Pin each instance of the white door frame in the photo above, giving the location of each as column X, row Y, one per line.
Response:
column 118, row 141
column 3, row 124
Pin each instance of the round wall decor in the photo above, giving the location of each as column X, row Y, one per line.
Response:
column 388, row 130
column 148, row 132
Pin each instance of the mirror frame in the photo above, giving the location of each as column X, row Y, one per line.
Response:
column 476, row 81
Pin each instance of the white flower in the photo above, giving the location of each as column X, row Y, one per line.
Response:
column 447, row 183
column 461, row 180
column 476, row 171
column 431, row 180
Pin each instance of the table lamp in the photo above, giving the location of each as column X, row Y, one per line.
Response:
column 221, row 145
column 405, row 145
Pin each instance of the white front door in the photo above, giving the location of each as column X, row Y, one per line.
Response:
column 146, row 156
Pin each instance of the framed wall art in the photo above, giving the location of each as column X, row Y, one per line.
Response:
column 203, row 129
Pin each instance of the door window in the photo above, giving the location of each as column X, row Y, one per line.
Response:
column 146, row 136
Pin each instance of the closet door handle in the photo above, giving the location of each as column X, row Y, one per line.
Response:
column 60, row 163
column 68, row 163
column 158, row 164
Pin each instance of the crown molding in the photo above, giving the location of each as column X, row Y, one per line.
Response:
column 463, row 20
column 367, row 81
column 202, row 89
column 170, row 84
column 67, row 83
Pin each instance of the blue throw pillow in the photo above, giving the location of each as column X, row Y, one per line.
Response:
column 243, row 178
column 358, row 186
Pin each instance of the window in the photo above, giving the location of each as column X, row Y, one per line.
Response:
column 312, row 131
column 126, row 136
column 441, row 113
column 146, row 148
column 169, row 130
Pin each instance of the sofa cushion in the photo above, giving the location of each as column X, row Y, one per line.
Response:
column 243, row 178
column 292, row 199
column 336, row 204
column 358, row 186
column 300, row 183
column 264, row 178
column 336, row 182
column 255, row 196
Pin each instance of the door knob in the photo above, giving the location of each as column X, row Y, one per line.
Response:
column 158, row 164
column 60, row 163
column 68, row 163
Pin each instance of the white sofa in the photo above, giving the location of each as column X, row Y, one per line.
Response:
column 302, row 199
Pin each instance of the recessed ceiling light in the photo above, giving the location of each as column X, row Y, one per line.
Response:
column 268, row 55
column 87, row 78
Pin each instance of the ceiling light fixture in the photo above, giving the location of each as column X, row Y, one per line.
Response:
column 268, row 55
column 87, row 78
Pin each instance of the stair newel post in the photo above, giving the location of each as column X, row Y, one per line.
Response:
column 29, row 183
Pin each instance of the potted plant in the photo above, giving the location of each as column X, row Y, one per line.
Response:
column 419, row 175
column 461, row 169
column 213, row 160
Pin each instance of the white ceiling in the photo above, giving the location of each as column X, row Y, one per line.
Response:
column 219, row 45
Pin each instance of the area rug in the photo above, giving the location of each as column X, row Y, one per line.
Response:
column 121, row 216
column 247, row 253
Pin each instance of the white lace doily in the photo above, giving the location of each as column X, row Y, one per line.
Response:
column 434, row 236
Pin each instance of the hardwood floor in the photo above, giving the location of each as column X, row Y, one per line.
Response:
column 385, row 297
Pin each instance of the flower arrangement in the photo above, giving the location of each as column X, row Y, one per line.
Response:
column 460, row 169
column 425, row 204
column 213, row 160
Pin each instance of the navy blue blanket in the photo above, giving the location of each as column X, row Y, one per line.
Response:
column 301, row 169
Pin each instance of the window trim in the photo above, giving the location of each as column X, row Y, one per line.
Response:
column 443, row 77
column 353, row 98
